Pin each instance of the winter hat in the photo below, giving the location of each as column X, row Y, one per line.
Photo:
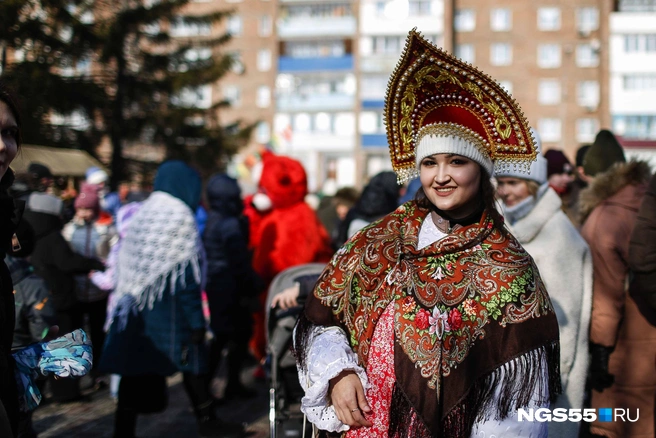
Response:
column 88, row 197
column 538, row 170
column 604, row 152
column 437, row 104
column 96, row 176
column 580, row 154
column 557, row 162
column 38, row 170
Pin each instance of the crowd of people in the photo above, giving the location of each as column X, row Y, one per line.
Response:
column 480, row 277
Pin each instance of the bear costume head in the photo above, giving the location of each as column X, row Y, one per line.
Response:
column 283, row 180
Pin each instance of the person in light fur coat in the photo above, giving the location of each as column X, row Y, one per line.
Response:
column 534, row 215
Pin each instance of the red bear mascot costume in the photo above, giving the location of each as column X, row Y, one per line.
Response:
column 285, row 231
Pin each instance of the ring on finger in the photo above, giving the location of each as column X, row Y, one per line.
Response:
column 356, row 409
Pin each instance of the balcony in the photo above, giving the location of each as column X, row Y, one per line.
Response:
column 374, row 140
column 378, row 63
column 287, row 64
column 315, row 102
column 319, row 26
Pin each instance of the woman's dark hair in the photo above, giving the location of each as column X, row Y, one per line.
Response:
column 488, row 199
column 7, row 96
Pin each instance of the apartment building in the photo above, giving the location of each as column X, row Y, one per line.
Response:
column 551, row 55
column 632, row 71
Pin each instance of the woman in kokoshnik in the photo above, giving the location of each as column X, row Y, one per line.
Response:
column 433, row 321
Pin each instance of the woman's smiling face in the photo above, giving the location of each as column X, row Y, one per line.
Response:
column 451, row 183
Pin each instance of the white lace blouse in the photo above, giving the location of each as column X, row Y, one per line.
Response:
column 330, row 354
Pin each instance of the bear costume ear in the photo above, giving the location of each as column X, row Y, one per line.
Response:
column 283, row 180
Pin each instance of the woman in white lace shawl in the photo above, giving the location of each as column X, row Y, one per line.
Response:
column 158, row 326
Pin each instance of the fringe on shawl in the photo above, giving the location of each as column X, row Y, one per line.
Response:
column 403, row 419
column 519, row 380
column 152, row 293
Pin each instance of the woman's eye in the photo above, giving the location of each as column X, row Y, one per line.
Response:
column 458, row 161
column 428, row 163
column 10, row 132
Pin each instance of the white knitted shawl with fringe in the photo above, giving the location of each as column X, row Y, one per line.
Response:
column 162, row 241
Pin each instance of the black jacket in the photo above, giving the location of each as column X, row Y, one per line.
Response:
column 231, row 281
column 35, row 312
column 9, row 217
column 54, row 261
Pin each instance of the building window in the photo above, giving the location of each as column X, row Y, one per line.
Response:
column 232, row 94
column 500, row 54
column 179, row 28
column 549, row 55
column 387, row 45
column 507, row 85
column 587, row 94
column 315, row 49
column 635, row 126
column 586, row 56
column 371, row 122
column 464, row 20
column 265, row 26
column 345, row 123
column 549, row 129
column 500, row 19
column 263, row 99
column 586, row 130
column 644, row 81
column 302, row 122
column 587, row 19
column 466, row 52
column 322, row 122
column 237, row 62
column 549, row 18
column 636, row 6
column 263, row 132
column 419, row 8
column 234, row 25
column 645, row 42
column 549, row 92
column 264, row 60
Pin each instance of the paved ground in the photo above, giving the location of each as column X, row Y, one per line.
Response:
column 94, row 419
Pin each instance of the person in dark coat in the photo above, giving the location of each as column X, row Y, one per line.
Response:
column 379, row 197
column 10, row 212
column 35, row 313
column 56, row 263
column 231, row 281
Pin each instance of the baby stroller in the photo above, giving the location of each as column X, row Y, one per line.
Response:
column 285, row 417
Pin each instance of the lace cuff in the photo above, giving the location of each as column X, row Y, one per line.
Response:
column 329, row 355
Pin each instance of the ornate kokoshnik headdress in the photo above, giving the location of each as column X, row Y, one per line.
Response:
column 436, row 103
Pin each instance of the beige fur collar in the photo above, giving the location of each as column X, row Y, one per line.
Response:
column 610, row 182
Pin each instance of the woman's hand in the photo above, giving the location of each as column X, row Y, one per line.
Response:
column 347, row 396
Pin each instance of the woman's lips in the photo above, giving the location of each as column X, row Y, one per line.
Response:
column 445, row 191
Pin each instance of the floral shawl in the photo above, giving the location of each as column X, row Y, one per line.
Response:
column 463, row 307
